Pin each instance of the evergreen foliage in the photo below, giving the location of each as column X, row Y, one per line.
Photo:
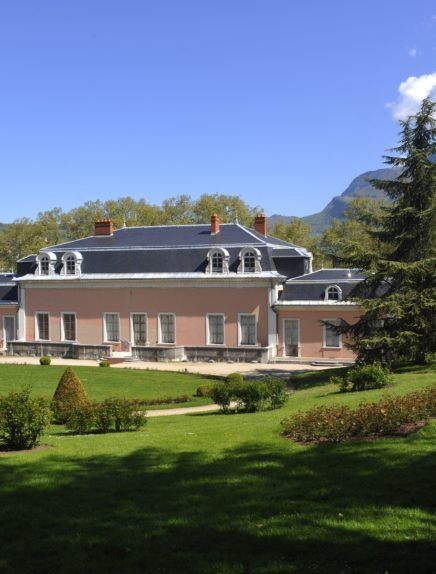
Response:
column 399, row 295
column 69, row 396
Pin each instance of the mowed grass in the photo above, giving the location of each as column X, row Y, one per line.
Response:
column 221, row 494
column 101, row 383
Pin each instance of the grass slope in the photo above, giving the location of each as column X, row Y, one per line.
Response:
column 223, row 495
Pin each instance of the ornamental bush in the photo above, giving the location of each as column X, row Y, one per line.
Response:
column 234, row 379
column 337, row 423
column 221, row 394
column 23, row 419
column 203, row 391
column 81, row 419
column 363, row 378
column 251, row 396
column 69, row 395
column 119, row 415
column 45, row 360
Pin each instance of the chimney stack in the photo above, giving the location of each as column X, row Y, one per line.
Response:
column 214, row 224
column 260, row 223
column 104, row 227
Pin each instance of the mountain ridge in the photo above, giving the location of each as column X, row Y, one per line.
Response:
column 359, row 187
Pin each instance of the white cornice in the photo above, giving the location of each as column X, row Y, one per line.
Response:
column 315, row 304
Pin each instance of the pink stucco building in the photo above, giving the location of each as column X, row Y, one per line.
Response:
column 196, row 292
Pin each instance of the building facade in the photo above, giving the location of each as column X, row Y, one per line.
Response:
column 190, row 292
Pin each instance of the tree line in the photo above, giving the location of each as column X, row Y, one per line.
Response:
column 25, row 236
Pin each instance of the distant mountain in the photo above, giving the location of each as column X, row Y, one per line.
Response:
column 359, row 187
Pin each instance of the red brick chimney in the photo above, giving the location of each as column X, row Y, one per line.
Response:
column 104, row 227
column 260, row 223
column 214, row 224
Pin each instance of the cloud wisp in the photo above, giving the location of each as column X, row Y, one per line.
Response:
column 412, row 91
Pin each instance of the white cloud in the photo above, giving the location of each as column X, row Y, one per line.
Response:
column 412, row 52
column 412, row 92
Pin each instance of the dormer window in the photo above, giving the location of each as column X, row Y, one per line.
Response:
column 218, row 261
column 72, row 262
column 333, row 293
column 46, row 262
column 249, row 261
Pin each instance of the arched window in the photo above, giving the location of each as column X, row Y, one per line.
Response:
column 218, row 261
column 46, row 261
column 249, row 260
column 333, row 293
column 72, row 262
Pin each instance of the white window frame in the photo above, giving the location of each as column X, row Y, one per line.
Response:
column 44, row 256
column 208, row 333
column 5, row 339
column 63, row 338
column 225, row 260
column 298, row 336
column 325, row 329
column 161, row 342
column 240, row 343
column 337, row 289
column 105, row 333
column 66, row 257
column 132, row 329
column 37, row 337
column 257, row 257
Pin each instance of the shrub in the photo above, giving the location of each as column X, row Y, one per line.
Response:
column 69, row 395
column 104, row 364
column 234, row 379
column 363, row 378
column 81, row 419
column 203, row 391
column 23, row 419
column 119, row 414
column 46, row 360
column 338, row 422
column 221, row 394
column 277, row 393
column 251, row 395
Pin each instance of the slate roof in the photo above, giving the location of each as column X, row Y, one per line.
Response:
column 172, row 249
column 8, row 289
column 312, row 286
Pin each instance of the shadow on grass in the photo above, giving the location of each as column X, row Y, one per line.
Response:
column 310, row 379
column 253, row 510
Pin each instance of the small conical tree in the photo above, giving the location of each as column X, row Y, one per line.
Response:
column 70, row 394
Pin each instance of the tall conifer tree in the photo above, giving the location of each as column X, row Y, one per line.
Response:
column 399, row 295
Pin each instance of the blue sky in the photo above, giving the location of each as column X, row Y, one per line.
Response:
column 281, row 102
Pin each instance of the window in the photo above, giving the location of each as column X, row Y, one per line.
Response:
column 46, row 262
column 331, row 337
column 167, row 331
column 72, row 262
column 247, row 329
column 68, row 332
column 42, row 330
column 333, row 293
column 44, row 265
column 218, row 261
column 70, row 265
column 215, row 329
column 249, row 261
column 111, row 327
column 139, row 328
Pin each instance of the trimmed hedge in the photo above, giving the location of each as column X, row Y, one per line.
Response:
column 45, row 360
column 112, row 415
column 69, row 395
column 337, row 423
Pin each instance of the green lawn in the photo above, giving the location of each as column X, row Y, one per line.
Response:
column 212, row 493
column 101, row 383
